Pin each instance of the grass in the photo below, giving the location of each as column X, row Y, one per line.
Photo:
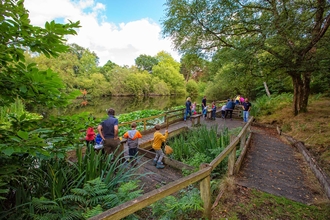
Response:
column 243, row 203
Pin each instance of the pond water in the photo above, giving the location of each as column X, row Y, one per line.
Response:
column 97, row 106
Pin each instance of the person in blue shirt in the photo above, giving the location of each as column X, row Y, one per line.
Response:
column 108, row 129
column 188, row 109
column 246, row 109
column 229, row 108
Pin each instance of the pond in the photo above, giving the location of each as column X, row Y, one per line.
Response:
column 98, row 106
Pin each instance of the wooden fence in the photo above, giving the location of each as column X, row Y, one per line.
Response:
column 203, row 176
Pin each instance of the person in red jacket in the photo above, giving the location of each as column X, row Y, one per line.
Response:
column 132, row 137
column 90, row 138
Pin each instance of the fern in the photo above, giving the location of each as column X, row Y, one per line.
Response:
column 171, row 207
column 42, row 208
column 92, row 212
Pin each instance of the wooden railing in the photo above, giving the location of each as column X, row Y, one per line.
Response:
column 170, row 117
column 203, row 176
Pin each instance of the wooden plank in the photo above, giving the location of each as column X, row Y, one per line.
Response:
column 241, row 157
column 147, row 199
column 169, row 161
column 205, row 190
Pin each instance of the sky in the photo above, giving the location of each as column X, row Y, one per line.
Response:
column 116, row 30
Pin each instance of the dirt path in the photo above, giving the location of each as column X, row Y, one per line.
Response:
column 271, row 166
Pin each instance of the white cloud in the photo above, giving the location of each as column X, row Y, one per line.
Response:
column 119, row 43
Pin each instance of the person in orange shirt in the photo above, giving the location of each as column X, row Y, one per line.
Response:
column 157, row 146
column 132, row 137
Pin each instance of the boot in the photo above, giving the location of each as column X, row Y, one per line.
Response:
column 154, row 162
column 160, row 165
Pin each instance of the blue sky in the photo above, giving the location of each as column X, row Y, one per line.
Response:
column 116, row 30
column 119, row 11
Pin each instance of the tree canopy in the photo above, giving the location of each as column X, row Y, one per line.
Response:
column 278, row 36
column 26, row 81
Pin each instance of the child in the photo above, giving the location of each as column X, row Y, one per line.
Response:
column 132, row 137
column 223, row 111
column 90, row 136
column 205, row 111
column 193, row 109
column 214, row 109
column 98, row 142
column 157, row 146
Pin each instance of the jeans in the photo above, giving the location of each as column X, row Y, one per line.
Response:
column 132, row 152
column 230, row 111
column 188, row 111
column 159, row 155
column 246, row 116
column 213, row 114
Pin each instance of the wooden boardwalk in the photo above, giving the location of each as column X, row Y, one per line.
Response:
column 158, row 177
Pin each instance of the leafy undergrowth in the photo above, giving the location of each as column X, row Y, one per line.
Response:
column 239, row 202
column 312, row 128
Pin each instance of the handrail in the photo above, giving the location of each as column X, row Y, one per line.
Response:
column 203, row 175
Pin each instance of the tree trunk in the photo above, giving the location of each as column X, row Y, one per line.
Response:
column 301, row 88
column 267, row 90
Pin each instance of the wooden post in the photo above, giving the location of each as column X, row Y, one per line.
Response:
column 144, row 125
column 231, row 158
column 242, row 141
column 205, row 189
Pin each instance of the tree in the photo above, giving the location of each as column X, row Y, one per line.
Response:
column 145, row 62
column 290, row 32
column 26, row 81
column 192, row 66
column 168, row 70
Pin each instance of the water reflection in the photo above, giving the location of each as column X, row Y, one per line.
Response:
column 97, row 106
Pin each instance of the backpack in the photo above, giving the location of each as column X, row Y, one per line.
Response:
column 98, row 139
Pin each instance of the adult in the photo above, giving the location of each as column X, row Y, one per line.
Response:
column 203, row 103
column 229, row 108
column 246, row 109
column 188, row 109
column 108, row 130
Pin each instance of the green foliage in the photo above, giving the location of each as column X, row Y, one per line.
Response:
column 201, row 145
column 192, row 87
column 146, row 62
column 266, row 106
column 26, row 81
column 270, row 41
column 168, row 70
column 160, row 87
column 185, row 204
column 15, row 111
column 193, row 67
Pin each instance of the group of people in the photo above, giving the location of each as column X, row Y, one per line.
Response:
column 108, row 137
column 230, row 105
column 191, row 109
column 226, row 109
